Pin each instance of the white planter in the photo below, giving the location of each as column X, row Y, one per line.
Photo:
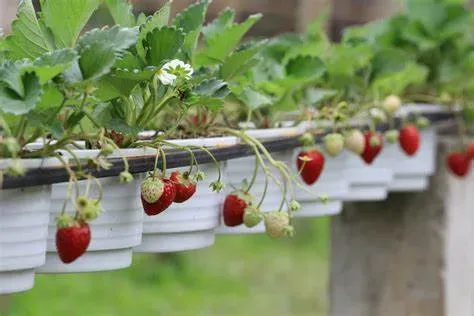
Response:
column 185, row 226
column 411, row 173
column 113, row 235
column 23, row 230
column 367, row 182
column 332, row 182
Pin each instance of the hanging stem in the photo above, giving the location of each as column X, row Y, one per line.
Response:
column 254, row 175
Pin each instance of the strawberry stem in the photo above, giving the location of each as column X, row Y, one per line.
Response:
column 254, row 175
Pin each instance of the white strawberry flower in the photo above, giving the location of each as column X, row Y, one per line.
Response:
column 178, row 68
column 166, row 78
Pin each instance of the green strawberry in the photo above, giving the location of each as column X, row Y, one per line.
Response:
column 152, row 189
column 252, row 216
column 392, row 136
column 334, row 144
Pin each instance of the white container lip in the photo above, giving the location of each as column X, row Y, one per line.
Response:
column 33, row 163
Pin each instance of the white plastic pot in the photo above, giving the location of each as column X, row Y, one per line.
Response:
column 411, row 173
column 332, row 183
column 23, row 230
column 185, row 226
column 113, row 235
column 189, row 225
column 367, row 182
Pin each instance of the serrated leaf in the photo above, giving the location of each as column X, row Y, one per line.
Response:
column 212, row 88
column 190, row 21
column 305, row 67
column 99, row 49
column 254, row 99
column 10, row 76
column 314, row 96
column 27, row 39
column 218, row 48
column 163, row 44
column 239, row 61
column 397, row 82
column 66, row 18
column 156, row 21
column 52, row 64
column 224, row 19
column 11, row 102
column 122, row 12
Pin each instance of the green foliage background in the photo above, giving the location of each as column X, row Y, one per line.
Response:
column 240, row 275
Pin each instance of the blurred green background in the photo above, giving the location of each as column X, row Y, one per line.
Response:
column 239, row 275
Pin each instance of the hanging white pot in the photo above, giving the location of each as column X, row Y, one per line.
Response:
column 23, row 230
column 331, row 183
column 113, row 234
column 411, row 173
column 185, row 226
column 189, row 225
column 367, row 182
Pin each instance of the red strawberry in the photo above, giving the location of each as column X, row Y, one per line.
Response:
column 373, row 146
column 72, row 240
column 409, row 139
column 470, row 151
column 311, row 164
column 234, row 208
column 185, row 186
column 458, row 163
column 165, row 200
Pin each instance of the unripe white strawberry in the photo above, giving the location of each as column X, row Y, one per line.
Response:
column 391, row 104
column 334, row 144
column 355, row 141
column 277, row 224
column 252, row 216
column 392, row 136
column 152, row 189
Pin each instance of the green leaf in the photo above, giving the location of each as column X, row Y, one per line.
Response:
column 314, row 96
column 190, row 21
column 218, row 48
column 11, row 102
column 224, row 20
column 156, row 21
column 122, row 12
column 254, row 99
column 10, row 76
column 192, row 17
column 305, row 67
column 99, row 49
column 212, row 88
column 397, row 82
column 428, row 12
column 163, row 44
column 240, row 61
column 27, row 39
column 52, row 64
column 66, row 18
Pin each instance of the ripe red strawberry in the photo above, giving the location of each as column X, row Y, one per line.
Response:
column 72, row 240
column 311, row 164
column 409, row 139
column 165, row 200
column 234, row 208
column 458, row 163
column 373, row 146
column 185, row 186
column 470, row 151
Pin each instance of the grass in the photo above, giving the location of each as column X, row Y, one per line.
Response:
column 240, row 275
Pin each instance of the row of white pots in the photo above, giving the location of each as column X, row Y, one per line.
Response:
column 122, row 229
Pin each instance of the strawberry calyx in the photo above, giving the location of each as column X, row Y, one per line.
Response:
column 392, row 136
column 65, row 221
